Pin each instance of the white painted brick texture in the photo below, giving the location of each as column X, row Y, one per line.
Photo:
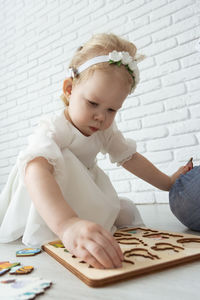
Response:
column 38, row 38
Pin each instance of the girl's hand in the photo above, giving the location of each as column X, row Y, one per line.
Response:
column 93, row 244
column 182, row 170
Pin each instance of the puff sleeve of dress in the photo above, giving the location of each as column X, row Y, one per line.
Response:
column 119, row 148
column 47, row 141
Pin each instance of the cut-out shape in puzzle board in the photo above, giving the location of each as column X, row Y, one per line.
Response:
column 145, row 250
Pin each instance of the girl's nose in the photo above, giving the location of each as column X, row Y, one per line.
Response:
column 100, row 116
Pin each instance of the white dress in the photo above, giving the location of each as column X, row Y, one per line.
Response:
column 85, row 187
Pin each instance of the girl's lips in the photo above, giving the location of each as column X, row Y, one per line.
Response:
column 93, row 128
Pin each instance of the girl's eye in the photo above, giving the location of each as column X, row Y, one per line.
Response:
column 92, row 103
column 111, row 110
column 96, row 104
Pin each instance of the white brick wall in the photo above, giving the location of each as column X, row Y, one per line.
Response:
column 38, row 38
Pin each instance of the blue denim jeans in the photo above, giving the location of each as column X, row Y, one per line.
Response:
column 184, row 199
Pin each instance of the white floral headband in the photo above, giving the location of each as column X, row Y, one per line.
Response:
column 114, row 57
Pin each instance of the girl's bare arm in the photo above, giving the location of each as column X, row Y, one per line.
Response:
column 83, row 238
column 47, row 196
column 144, row 169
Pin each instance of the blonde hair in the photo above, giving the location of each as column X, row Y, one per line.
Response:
column 99, row 44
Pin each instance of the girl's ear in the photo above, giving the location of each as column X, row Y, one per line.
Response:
column 67, row 86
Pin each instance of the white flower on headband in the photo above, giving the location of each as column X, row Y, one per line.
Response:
column 115, row 56
column 132, row 65
column 126, row 58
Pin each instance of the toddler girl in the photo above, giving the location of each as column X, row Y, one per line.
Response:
column 56, row 188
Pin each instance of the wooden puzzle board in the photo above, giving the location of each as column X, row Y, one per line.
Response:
column 145, row 250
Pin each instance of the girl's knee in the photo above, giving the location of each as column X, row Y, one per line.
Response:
column 129, row 214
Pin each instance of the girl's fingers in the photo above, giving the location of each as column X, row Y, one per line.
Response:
column 114, row 243
column 99, row 254
column 186, row 169
column 86, row 256
column 94, row 245
column 190, row 163
column 108, row 247
column 182, row 170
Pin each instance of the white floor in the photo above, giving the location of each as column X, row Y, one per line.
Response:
column 181, row 282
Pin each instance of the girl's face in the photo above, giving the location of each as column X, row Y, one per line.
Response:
column 94, row 102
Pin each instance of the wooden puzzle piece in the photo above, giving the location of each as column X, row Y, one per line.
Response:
column 57, row 244
column 21, row 270
column 137, row 230
column 189, row 242
column 139, row 252
column 3, row 271
column 127, row 238
column 156, row 236
column 23, row 288
column 28, row 252
column 6, row 266
column 163, row 235
column 166, row 246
